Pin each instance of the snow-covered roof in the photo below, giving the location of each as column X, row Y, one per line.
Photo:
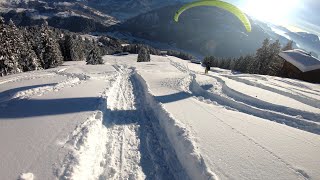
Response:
column 301, row 59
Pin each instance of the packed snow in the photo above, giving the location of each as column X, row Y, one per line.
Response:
column 163, row 119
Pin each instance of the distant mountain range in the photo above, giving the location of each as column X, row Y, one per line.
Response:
column 203, row 30
column 120, row 9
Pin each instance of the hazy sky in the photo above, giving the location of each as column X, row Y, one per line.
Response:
column 294, row 14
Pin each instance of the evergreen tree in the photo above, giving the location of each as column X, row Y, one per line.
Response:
column 288, row 46
column 144, row 55
column 73, row 48
column 52, row 56
column 232, row 64
column 28, row 59
column 262, row 56
column 50, row 52
column 94, row 57
column 250, row 63
column 275, row 63
column 87, row 46
column 9, row 54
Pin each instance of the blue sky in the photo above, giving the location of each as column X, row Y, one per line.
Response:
column 299, row 15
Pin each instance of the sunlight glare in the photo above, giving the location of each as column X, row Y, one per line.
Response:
column 274, row 11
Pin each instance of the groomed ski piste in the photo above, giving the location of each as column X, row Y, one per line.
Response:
column 163, row 119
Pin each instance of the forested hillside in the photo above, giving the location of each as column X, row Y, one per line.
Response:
column 42, row 47
column 266, row 60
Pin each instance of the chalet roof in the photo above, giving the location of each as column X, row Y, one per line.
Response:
column 301, row 59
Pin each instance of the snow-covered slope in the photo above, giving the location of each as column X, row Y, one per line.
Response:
column 163, row 119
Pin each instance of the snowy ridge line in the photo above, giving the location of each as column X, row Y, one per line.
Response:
column 302, row 124
column 21, row 78
column 238, row 96
column 305, row 100
column 179, row 137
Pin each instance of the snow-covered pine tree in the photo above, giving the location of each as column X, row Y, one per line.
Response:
column 87, row 47
column 94, row 57
column 275, row 62
column 28, row 59
column 250, row 64
column 9, row 54
column 73, row 48
column 262, row 56
column 52, row 56
column 288, row 46
column 144, row 55
column 51, row 53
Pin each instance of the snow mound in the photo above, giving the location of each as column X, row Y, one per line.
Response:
column 26, row 176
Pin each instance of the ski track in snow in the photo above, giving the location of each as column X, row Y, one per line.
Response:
column 302, row 174
column 71, row 81
column 122, row 140
column 294, row 118
column 132, row 136
column 204, row 96
column 298, row 97
column 23, row 78
column 255, row 102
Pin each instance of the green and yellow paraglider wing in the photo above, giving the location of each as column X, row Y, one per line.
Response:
column 220, row 4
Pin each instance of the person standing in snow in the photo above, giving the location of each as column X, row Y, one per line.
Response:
column 207, row 69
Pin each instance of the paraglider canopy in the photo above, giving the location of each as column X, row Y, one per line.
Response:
column 220, row 4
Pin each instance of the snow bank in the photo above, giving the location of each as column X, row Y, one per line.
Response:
column 179, row 137
column 26, row 176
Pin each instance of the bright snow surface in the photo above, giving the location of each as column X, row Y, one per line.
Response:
column 164, row 119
